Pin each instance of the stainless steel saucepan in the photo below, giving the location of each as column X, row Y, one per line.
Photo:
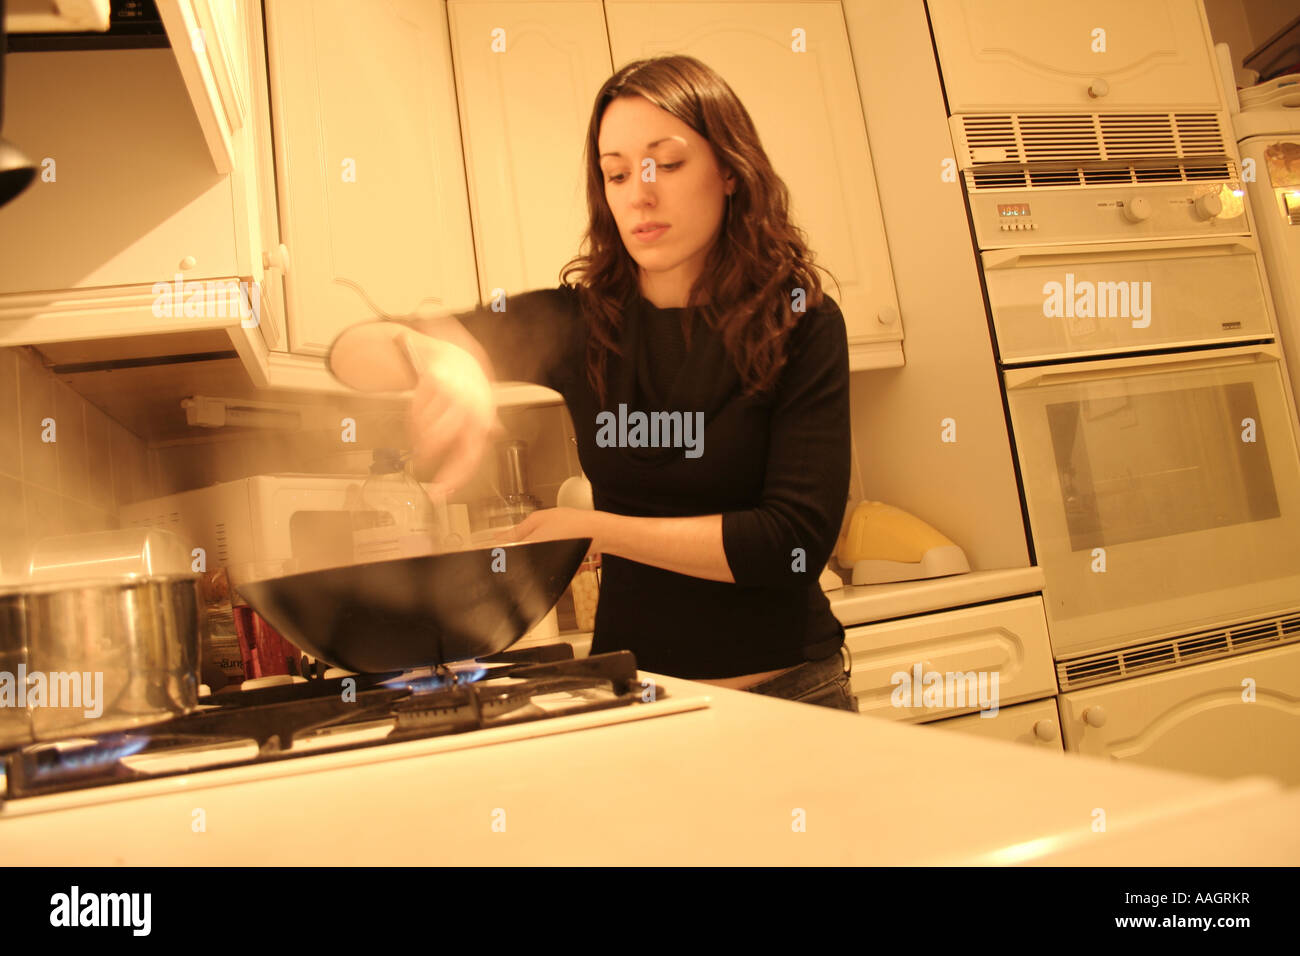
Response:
column 92, row 656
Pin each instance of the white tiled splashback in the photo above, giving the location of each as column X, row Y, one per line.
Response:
column 72, row 484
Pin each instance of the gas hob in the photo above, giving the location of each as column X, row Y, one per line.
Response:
column 524, row 693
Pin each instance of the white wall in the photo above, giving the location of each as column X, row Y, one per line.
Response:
column 966, row 489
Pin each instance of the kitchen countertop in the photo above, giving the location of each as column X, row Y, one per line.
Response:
column 866, row 603
column 725, row 784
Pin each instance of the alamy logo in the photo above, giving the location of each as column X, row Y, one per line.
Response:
column 211, row 298
column 102, row 909
column 1102, row 300
column 57, row 689
column 938, row 689
column 653, row 430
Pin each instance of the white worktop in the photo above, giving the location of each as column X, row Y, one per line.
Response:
column 865, row 603
column 717, row 785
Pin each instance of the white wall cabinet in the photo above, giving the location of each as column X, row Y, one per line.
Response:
column 121, row 196
column 809, row 118
column 525, row 96
column 1096, row 56
column 350, row 158
column 372, row 185
column 156, row 181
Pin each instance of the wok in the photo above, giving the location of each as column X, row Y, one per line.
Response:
column 414, row 612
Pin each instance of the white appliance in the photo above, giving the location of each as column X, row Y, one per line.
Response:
column 1154, row 512
column 1268, row 133
column 1151, row 406
column 1123, row 297
column 1227, row 718
column 268, row 525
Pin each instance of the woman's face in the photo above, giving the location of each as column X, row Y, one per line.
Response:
column 682, row 188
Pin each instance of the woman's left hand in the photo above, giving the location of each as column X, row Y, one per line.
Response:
column 549, row 524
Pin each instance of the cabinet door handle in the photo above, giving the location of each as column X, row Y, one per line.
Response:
column 277, row 258
column 1094, row 716
column 1098, row 88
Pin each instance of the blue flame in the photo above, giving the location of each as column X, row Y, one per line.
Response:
column 95, row 754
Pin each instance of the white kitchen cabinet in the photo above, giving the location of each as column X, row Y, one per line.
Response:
column 1098, row 56
column 1233, row 717
column 125, row 195
column 368, row 157
column 206, row 38
column 1035, row 724
column 156, row 181
column 809, row 118
column 1006, row 640
column 526, row 75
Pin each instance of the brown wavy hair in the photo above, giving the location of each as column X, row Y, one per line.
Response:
column 744, row 289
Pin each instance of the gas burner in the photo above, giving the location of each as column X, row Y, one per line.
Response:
column 263, row 724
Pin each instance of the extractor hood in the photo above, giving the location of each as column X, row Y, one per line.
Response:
column 83, row 25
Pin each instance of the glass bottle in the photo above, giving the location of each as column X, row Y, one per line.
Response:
column 392, row 490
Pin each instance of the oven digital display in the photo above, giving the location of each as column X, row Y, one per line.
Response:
column 1013, row 209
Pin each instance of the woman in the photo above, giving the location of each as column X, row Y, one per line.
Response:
column 696, row 299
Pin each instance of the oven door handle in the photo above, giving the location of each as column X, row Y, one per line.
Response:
column 1075, row 372
column 1118, row 252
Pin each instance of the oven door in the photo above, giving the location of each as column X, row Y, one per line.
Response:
column 1163, row 492
column 1054, row 302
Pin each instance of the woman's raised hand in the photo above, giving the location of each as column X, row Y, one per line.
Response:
column 453, row 410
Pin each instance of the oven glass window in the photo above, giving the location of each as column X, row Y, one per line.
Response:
column 1137, row 467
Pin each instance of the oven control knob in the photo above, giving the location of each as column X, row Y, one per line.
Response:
column 1045, row 729
column 1138, row 209
column 1208, row 206
column 1098, row 88
column 1094, row 716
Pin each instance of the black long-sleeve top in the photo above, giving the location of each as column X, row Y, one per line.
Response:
column 774, row 465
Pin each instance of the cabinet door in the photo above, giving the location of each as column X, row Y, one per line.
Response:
column 525, row 98
column 1095, row 56
column 206, row 39
column 1230, row 718
column 936, row 665
column 125, row 192
column 368, row 159
column 805, row 106
column 267, row 262
column 1035, row 724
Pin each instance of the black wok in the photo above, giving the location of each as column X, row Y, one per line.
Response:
column 413, row 612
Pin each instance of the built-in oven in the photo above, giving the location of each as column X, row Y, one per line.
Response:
column 1163, row 492
column 1151, row 413
column 1071, row 302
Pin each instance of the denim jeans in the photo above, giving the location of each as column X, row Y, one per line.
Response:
column 824, row 682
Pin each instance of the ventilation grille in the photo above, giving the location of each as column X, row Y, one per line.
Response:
column 1167, row 654
column 1110, row 174
column 1085, row 149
